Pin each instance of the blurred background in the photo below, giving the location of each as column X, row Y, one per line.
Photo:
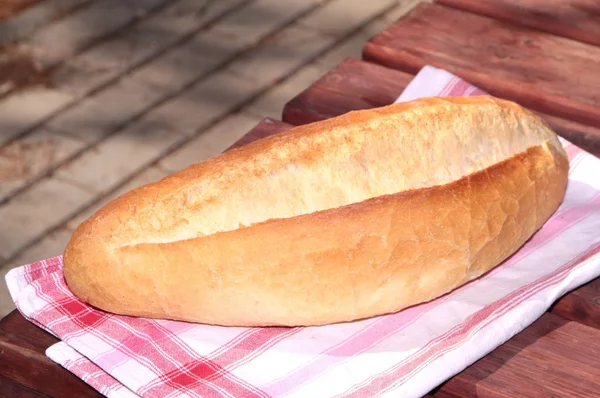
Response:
column 98, row 97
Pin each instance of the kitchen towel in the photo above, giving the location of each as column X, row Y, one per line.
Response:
column 405, row 354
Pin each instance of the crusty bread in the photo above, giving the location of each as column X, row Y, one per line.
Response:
column 356, row 216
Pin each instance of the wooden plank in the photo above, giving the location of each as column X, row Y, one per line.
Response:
column 540, row 71
column 24, row 363
column 356, row 84
column 553, row 357
column 352, row 85
column 585, row 137
column 37, row 340
column 575, row 19
column 25, row 371
column 265, row 128
column 10, row 388
column 581, row 305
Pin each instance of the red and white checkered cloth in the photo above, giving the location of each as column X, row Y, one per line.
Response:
column 405, row 354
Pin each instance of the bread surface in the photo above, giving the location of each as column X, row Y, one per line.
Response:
column 356, row 216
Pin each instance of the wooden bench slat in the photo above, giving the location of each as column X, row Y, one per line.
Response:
column 23, row 360
column 540, row 71
column 10, row 388
column 352, row 85
column 552, row 357
column 581, row 305
column 265, row 128
column 36, row 341
column 575, row 19
column 585, row 137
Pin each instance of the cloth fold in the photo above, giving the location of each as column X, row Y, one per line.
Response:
column 404, row 354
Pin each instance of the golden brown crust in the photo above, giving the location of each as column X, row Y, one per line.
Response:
column 337, row 263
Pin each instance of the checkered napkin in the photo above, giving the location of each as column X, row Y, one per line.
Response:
column 405, row 354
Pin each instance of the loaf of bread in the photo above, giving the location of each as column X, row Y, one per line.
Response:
column 357, row 216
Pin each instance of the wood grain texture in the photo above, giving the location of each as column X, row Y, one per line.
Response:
column 23, row 361
column 352, row 85
column 585, row 137
column 355, row 84
column 581, row 305
column 36, row 340
column 265, row 128
column 553, row 357
column 543, row 72
column 575, row 19
column 10, row 388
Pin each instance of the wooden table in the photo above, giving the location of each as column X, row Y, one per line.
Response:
column 541, row 53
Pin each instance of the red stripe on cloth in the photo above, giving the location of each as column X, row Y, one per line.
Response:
column 239, row 338
column 354, row 345
column 400, row 372
column 572, row 151
column 555, row 226
column 32, row 317
column 162, row 352
column 214, row 371
column 68, row 317
column 42, row 268
column 468, row 336
column 578, row 157
column 459, row 89
column 93, row 375
column 155, row 348
column 476, row 91
column 114, row 358
column 51, row 316
column 158, row 349
column 449, row 86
